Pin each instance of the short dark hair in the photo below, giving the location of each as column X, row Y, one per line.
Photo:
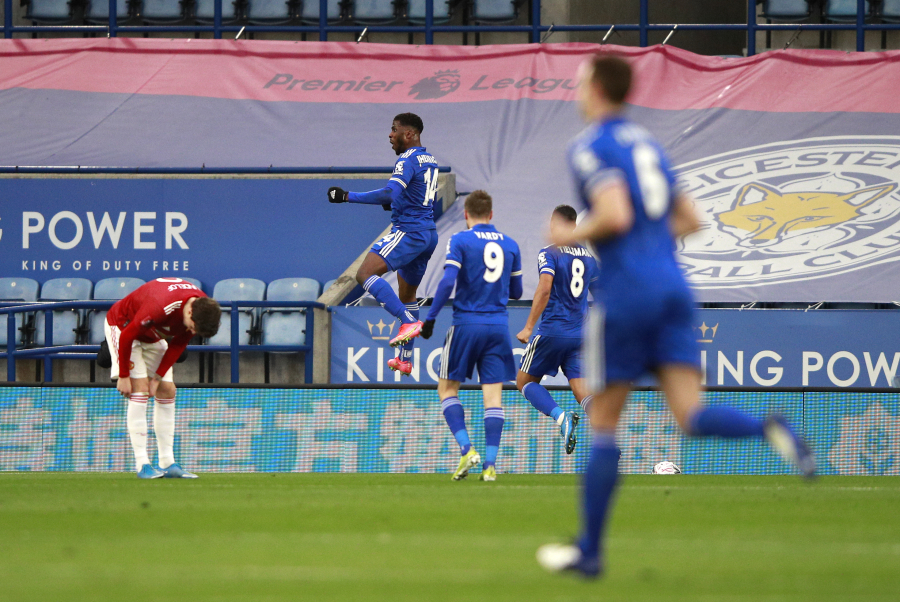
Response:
column 206, row 314
column 566, row 212
column 410, row 120
column 613, row 76
column 479, row 204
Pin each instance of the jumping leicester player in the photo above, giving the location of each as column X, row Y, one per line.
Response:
column 645, row 325
column 560, row 303
column 486, row 268
column 409, row 195
column 146, row 332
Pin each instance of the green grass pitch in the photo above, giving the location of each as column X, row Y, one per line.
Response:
column 331, row 537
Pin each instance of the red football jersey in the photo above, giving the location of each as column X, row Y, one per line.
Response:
column 151, row 313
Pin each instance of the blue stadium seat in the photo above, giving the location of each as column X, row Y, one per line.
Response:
column 328, row 284
column 163, row 11
column 270, row 12
column 793, row 11
column 890, row 11
column 205, row 11
column 237, row 289
column 97, row 11
column 495, row 11
column 372, row 12
column 16, row 289
column 309, row 12
column 54, row 12
column 194, row 281
column 288, row 326
column 65, row 322
column 844, row 11
column 108, row 288
column 415, row 10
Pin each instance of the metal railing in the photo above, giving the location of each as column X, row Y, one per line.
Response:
column 537, row 32
column 49, row 352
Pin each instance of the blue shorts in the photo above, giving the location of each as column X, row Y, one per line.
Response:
column 407, row 253
column 628, row 339
column 546, row 354
column 486, row 346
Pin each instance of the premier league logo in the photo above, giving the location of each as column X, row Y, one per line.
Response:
column 793, row 211
column 438, row 85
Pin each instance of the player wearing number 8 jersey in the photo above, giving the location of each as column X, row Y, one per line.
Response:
column 644, row 316
column 409, row 195
column 486, row 267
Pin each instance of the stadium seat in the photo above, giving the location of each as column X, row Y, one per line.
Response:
column 288, row 326
column 163, row 11
column 373, row 12
column 237, row 289
column 328, row 284
column 194, row 281
column 50, row 12
column 270, row 12
column 309, row 12
column 844, row 11
column 890, row 11
column 108, row 288
column 205, row 11
column 791, row 11
column 97, row 11
column 415, row 10
column 494, row 11
column 16, row 289
column 65, row 322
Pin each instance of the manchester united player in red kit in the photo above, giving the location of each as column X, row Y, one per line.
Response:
column 146, row 332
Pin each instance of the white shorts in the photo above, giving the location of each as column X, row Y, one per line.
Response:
column 144, row 356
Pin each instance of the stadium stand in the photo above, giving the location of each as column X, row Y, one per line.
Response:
column 163, row 11
column 108, row 288
column 16, row 289
column 309, row 12
column 375, row 12
column 67, row 324
column 415, row 11
column 51, row 12
column 97, row 11
column 237, row 289
column 495, row 11
column 287, row 326
column 270, row 12
column 205, row 11
column 844, row 11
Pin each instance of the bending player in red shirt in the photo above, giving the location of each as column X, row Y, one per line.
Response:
column 146, row 332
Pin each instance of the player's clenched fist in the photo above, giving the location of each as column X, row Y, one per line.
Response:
column 337, row 195
column 427, row 329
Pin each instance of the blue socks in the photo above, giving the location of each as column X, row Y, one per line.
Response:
column 493, row 428
column 456, row 420
column 724, row 421
column 385, row 295
column 541, row 399
column 599, row 485
column 406, row 351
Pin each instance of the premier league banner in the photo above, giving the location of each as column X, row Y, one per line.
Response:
column 738, row 348
column 791, row 155
column 402, row 430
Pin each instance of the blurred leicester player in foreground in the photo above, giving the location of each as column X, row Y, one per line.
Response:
column 486, row 268
column 561, row 303
column 146, row 332
column 625, row 181
column 409, row 195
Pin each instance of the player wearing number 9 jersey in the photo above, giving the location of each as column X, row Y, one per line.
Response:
column 486, row 267
column 643, row 321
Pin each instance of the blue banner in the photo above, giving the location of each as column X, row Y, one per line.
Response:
column 738, row 348
column 204, row 228
column 402, row 430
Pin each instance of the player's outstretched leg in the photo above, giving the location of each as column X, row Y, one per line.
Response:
column 164, row 427
column 456, row 420
column 682, row 387
column 137, row 432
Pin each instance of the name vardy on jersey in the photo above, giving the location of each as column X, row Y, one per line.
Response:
column 286, row 81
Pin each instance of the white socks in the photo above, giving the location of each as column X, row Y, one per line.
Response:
column 137, row 427
column 164, row 427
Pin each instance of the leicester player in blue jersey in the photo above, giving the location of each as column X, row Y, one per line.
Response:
column 560, row 303
column 635, row 211
column 486, row 267
column 409, row 196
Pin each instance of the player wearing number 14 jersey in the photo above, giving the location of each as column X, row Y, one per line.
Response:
column 409, row 195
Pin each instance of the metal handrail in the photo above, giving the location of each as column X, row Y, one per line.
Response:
column 535, row 29
column 49, row 352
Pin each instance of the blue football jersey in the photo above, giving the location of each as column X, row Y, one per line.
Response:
column 573, row 269
column 486, row 259
column 643, row 259
column 417, row 171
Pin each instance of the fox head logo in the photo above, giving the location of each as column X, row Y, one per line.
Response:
column 438, row 85
column 762, row 215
